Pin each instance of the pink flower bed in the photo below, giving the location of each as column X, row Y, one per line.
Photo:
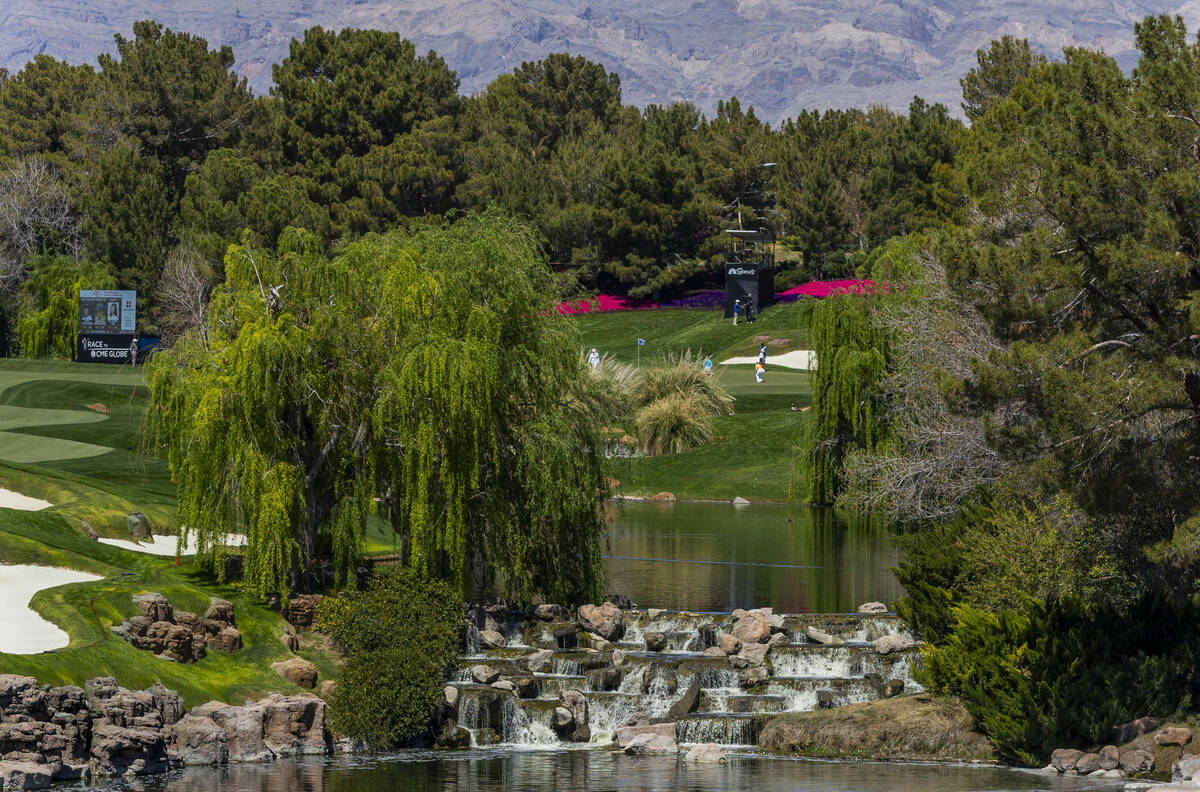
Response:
column 611, row 302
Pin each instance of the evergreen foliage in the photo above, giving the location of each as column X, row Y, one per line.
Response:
column 422, row 374
column 1041, row 676
column 398, row 638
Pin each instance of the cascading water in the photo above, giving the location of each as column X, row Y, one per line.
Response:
column 723, row 729
column 538, row 698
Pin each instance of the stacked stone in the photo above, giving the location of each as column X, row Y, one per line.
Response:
column 70, row 733
column 180, row 636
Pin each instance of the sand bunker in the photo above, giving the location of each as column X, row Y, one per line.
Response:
column 15, row 500
column 803, row 359
column 168, row 545
column 22, row 631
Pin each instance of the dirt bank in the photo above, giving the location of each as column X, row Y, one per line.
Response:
column 910, row 727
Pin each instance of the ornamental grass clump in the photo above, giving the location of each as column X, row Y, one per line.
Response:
column 673, row 424
column 681, row 375
column 675, row 405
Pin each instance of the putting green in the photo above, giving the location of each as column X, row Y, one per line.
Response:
column 29, row 449
column 19, row 417
column 23, row 448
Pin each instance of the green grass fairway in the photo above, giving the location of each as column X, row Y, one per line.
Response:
column 89, row 466
column 702, row 331
column 752, row 454
column 750, row 457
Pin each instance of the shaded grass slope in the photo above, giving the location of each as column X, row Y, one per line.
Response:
column 102, row 490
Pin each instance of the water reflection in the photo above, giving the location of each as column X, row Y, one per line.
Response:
column 717, row 557
column 597, row 771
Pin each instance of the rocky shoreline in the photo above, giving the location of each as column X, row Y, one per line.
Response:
column 598, row 674
column 68, row 733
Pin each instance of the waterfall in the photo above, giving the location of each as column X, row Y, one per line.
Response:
column 471, row 641
column 803, row 675
column 564, row 666
column 722, row 729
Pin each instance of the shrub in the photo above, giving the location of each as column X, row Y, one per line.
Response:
column 1047, row 675
column 673, row 423
column 681, row 375
column 399, row 636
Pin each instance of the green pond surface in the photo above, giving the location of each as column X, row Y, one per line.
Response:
column 717, row 557
column 487, row 770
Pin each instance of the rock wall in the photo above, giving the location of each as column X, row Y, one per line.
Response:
column 68, row 733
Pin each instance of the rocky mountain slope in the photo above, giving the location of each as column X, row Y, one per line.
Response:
column 782, row 56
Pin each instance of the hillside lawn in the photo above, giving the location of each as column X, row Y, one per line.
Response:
column 752, row 454
column 88, row 463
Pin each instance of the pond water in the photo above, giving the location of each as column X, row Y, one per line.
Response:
column 598, row 771
column 717, row 557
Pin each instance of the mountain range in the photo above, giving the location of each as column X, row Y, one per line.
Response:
column 781, row 56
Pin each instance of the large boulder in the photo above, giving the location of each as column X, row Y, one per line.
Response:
column 484, row 674
column 820, row 636
column 24, row 775
column 750, row 655
column 622, row 601
column 539, row 661
column 1128, row 732
column 166, row 702
column 199, row 741
column 243, row 728
column 577, row 703
column 301, row 609
column 296, row 670
column 655, row 641
column 549, row 612
column 1173, row 735
column 154, row 606
column 706, row 752
column 192, row 621
column 152, row 708
column 221, row 611
column 872, row 607
column 1110, row 757
column 491, row 639
column 605, row 620
column 687, row 703
column 1064, row 759
column 729, row 644
column 562, row 719
column 1137, row 760
column 121, row 751
column 749, row 677
column 294, row 724
column 178, row 644
column 889, row 644
column 1087, row 764
column 625, row 734
column 139, row 526
column 227, row 640
column 651, row 744
column 1186, row 769
column 752, row 628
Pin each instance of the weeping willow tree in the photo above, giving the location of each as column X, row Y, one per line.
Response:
column 48, row 318
column 851, row 363
column 855, row 351
column 422, row 375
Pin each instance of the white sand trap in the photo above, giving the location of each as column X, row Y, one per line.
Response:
column 803, row 359
column 168, row 545
column 22, row 631
column 15, row 500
